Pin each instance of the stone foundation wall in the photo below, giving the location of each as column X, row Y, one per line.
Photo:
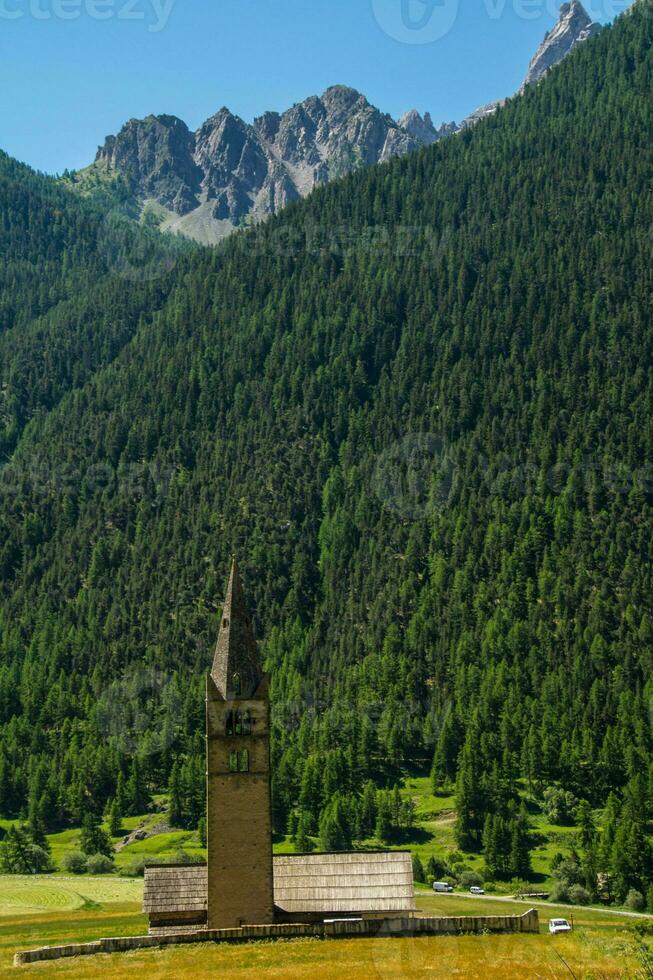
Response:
column 394, row 926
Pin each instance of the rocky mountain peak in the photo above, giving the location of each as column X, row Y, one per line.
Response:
column 422, row 128
column 155, row 156
column 419, row 127
column 574, row 25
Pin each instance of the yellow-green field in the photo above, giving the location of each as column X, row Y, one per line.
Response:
column 48, row 910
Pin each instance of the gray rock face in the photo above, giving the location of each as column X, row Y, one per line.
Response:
column 155, row 156
column 421, row 128
column 481, row 113
column 240, row 170
column 573, row 27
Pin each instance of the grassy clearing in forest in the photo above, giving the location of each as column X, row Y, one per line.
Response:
column 432, row 834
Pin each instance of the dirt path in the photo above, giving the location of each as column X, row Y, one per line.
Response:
column 538, row 903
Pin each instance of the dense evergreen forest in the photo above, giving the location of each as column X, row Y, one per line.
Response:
column 419, row 407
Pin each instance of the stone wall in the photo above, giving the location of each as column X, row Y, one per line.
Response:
column 395, row 926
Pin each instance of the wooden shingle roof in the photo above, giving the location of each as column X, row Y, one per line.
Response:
column 175, row 888
column 357, row 881
column 379, row 881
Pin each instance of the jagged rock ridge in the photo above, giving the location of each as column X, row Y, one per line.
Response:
column 237, row 170
column 422, row 130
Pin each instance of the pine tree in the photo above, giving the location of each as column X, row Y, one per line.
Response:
column 396, row 807
column 630, row 855
column 93, row 839
column 491, row 854
column 418, row 869
column 520, row 848
column 18, row 855
column 383, row 828
column 176, row 812
column 201, row 831
column 334, row 829
column 435, row 868
column 589, row 846
column 136, row 790
column 303, row 842
column 115, row 819
column 36, row 824
column 470, row 802
column 121, row 794
column 368, row 808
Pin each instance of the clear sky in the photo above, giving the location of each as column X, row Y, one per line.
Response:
column 72, row 71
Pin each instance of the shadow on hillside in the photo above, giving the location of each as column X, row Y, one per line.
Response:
column 411, row 835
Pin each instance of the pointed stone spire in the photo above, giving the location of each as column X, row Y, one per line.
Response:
column 236, row 669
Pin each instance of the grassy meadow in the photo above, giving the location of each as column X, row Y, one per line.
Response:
column 47, row 910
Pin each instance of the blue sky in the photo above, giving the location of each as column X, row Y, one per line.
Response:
column 72, row 71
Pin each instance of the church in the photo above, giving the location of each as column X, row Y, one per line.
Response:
column 242, row 882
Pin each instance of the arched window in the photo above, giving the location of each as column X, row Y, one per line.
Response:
column 233, row 762
column 230, row 723
column 243, row 761
column 247, row 722
column 237, row 684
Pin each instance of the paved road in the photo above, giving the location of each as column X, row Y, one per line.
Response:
column 539, row 903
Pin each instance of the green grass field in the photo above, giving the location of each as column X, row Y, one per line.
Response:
column 47, row 911
column 35, row 895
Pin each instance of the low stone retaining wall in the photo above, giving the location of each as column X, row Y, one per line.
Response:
column 338, row 929
column 449, row 926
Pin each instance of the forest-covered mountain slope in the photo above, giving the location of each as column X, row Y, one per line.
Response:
column 418, row 406
column 64, row 309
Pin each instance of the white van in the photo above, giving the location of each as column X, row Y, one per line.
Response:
column 475, row 890
column 558, row 925
column 442, row 886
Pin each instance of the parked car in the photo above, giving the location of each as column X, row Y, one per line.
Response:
column 559, row 925
column 475, row 890
column 442, row 886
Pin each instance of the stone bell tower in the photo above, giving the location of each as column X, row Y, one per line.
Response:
column 238, row 825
